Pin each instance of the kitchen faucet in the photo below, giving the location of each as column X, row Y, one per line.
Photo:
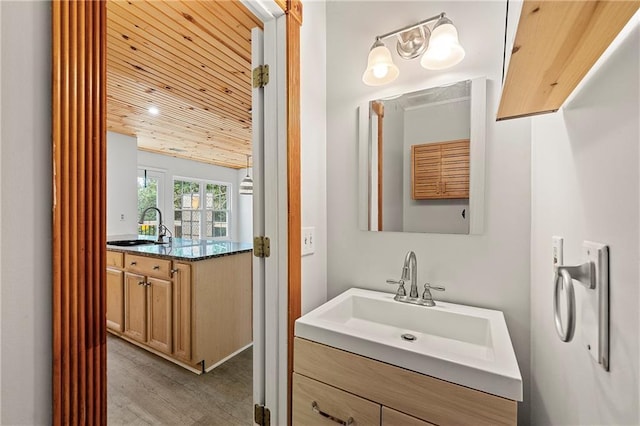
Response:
column 410, row 272
column 161, row 228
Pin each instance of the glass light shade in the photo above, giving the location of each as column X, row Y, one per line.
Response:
column 444, row 49
column 246, row 186
column 380, row 67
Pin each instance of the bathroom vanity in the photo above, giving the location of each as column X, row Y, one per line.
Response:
column 363, row 358
column 189, row 301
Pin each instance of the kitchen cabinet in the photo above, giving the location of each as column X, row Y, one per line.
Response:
column 182, row 311
column 440, row 170
column 341, row 383
column 148, row 311
column 115, row 299
column 195, row 314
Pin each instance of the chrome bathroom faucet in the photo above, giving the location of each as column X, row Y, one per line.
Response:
column 410, row 273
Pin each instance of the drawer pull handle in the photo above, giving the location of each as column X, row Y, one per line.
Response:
column 316, row 409
column 155, row 268
column 134, row 263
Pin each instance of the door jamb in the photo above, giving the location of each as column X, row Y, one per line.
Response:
column 72, row 399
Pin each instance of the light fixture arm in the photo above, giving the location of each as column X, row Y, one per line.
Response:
column 410, row 27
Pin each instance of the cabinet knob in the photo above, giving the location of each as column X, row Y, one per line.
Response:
column 141, row 283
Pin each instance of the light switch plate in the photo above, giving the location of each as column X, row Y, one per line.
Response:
column 308, row 240
column 595, row 304
column 557, row 244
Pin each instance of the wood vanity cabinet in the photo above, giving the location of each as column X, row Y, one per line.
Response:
column 332, row 383
column 440, row 170
column 195, row 314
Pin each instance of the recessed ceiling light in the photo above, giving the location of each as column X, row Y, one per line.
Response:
column 154, row 110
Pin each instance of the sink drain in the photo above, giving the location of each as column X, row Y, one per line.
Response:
column 409, row 337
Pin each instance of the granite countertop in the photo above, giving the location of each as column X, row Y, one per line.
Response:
column 180, row 248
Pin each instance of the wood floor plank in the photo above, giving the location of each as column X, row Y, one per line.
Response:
column 144, row 389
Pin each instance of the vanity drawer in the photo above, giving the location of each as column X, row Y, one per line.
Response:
column 314, row 402
column 114, row 259
column 421, row 396
column 392, row 417
column 142, row 265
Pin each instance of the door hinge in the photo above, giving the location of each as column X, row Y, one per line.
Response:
column 261, row 415
column 260, row 76
column 261, row 247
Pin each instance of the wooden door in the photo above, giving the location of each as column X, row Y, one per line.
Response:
column 115, row 300
column 455, row 169
column 159, row 318
column 135, row 307
column 182, row 311
column 440, row 170
column 425, row 171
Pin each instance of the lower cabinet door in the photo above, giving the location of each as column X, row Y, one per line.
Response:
column 135, row 307
column 315, row 403
column 115, row 300
column 182, row 311
column 160, row 324
column 392, row 417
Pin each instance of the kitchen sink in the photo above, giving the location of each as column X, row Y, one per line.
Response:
column 131, row 243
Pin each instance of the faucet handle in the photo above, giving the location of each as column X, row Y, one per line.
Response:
column 428, row 286
column 401, row 290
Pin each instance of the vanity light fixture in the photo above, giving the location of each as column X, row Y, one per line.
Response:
column 246, row 186
column 440, row 46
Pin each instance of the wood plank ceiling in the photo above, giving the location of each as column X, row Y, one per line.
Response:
column 192, row 61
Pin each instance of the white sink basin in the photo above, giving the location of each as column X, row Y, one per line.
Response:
column 457, row 343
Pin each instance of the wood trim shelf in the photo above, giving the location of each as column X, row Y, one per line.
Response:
column 556, row 44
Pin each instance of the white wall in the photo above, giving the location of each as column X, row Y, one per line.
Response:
column 586, row 186
column 434, row 123
column 180, row 167
column 25, row 202
column 313, row 113
column 489, row 270
column 122, row 195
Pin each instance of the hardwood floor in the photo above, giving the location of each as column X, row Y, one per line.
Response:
column 144, row 389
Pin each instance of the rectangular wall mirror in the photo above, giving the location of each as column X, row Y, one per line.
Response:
column 421, row 160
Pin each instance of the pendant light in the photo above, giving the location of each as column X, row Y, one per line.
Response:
column 246, row 186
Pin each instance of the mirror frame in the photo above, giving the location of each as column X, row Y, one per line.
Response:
column 478, row 124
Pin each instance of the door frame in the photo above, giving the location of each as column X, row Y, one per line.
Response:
column 79, row 206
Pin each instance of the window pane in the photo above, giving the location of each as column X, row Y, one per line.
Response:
column 147, row 197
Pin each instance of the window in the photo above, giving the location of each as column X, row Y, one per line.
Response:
column 201, row 209
column 149, row 194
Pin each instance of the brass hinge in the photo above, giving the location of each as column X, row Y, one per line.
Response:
column 260, row 76
column 261, row 247
column 261, row 415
